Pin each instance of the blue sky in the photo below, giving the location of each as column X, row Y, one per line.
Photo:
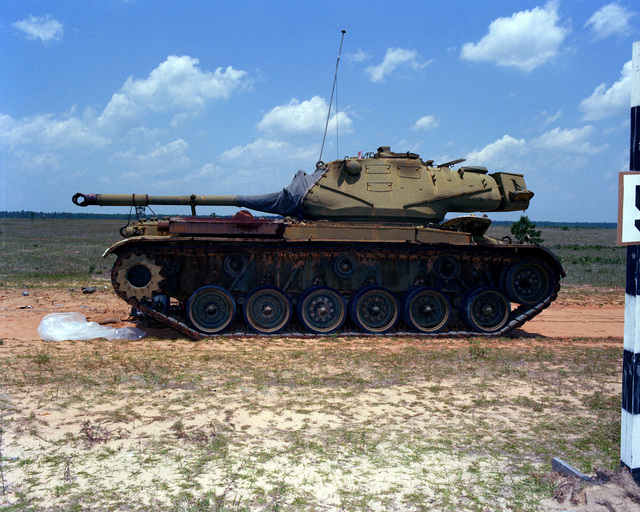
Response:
column 205, row 97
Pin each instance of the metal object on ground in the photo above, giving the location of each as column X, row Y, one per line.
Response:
column 362, row 247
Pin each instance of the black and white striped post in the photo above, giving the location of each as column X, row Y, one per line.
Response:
column 630, row 421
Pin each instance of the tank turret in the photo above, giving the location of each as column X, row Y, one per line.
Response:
column 385, row 186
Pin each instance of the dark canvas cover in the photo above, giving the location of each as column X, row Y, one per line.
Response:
column 289, row 201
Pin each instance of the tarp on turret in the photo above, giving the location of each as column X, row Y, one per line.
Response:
column 289, row 201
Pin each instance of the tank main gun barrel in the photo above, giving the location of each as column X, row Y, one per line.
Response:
column 286, row 202
column 147, row 200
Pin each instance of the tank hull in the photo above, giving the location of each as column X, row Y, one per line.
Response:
column 242, row 275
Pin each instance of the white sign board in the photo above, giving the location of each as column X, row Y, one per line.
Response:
column 629, row 208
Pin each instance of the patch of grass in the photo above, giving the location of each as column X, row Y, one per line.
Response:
column 42, row 357
column 589, row 256
column 53, row 251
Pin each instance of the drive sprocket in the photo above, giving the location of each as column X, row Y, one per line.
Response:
column 136, row 275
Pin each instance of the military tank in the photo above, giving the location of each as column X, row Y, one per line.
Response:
column 358, row 246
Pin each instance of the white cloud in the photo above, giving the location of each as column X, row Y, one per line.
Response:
column 566, row 140
column 50, row 142
column 426, row 123
column 35, row 163
column 272, row 159
column 258, row 149
column 270, row 150
column 359, row 56
column 302, row 118
column 526, row 40
column 44, row 28
column 549, row 119
column 610, row 20
column 555, row 150
column 499, row 153
column 47, row 131
column 160, row 159
column 609, row 102
column 393, row 58
column 178, row 84
column 207, row 171
column 207, row 179
column 267, row 164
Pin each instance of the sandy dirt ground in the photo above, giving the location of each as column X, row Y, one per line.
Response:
column 582, row 315
column 588, row 315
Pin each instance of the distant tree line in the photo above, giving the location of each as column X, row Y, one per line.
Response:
column 564, row 225
column 26, row 214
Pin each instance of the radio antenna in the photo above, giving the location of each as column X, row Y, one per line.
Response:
column 333, row 90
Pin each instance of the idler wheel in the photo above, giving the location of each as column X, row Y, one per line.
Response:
column 321, row 310
column 267, row 310
column 211, row 309
column 425, row 310
column 528, row 282
column 374, row 309
column 485, row 309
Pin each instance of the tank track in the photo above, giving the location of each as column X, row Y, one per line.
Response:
column 174, row 273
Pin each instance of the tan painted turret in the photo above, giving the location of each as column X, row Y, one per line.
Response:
column 385, row 186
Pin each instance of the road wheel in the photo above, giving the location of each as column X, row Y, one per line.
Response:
column 425, row 310
column 485, row 309
column 211, row 309
column 374, row 310
column 267, row 310
column 321, row 310
column 528, row 282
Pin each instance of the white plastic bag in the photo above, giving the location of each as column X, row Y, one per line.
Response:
column 74, row 326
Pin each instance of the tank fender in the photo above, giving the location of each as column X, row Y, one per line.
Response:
column 550, row 258
column 120, row 245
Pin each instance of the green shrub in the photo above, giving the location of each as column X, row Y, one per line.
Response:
column 524, row 229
